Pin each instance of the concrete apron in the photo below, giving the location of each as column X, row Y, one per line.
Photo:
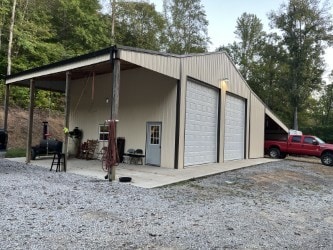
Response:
column 146, row 176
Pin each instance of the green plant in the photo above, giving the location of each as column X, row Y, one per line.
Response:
column 15, row 152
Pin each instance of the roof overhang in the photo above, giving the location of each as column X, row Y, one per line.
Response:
column 53, row 76
column 276, row 120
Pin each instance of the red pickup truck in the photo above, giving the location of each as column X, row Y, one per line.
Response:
column 301, row 145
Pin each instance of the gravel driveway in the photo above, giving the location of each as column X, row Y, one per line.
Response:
column 284, row 204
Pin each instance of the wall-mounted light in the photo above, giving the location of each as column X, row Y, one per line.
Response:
column 107, row 100
column 224, row 84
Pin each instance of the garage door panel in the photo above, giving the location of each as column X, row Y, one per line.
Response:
column 201, row 124
column 234, row 141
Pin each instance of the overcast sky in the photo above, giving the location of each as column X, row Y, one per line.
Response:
column 222, row 16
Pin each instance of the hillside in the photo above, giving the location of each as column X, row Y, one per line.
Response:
column 18, row 126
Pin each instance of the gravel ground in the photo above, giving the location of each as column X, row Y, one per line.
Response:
column 284, row 204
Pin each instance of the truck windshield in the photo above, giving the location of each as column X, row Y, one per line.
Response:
column 319, row 140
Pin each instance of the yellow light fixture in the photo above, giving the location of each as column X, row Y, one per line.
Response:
column 224, row 84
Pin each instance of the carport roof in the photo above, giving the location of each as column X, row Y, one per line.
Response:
column 53, row 76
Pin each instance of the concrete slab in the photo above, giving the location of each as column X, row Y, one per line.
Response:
column 147, row 176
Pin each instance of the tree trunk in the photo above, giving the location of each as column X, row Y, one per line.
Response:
column 10, row 42
column 295, row 118
column 113, row 16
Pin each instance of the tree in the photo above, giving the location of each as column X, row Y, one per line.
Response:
column 187, row 26
column 245, row 53
column 267, row 74
column 4, row 10
column 35, row 41
column 10, row 41
column 258, row 57
column 138, row 24
column 79, row 26
column 306, row 29
column 249, row 30
column 325, row 103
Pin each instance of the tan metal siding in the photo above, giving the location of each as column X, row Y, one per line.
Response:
column 148, row 97
column 144, row 96
column 167, row 65
column 257, row 128
column 88, row 106
column 212, row 68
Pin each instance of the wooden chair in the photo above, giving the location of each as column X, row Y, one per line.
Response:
column 88, row 149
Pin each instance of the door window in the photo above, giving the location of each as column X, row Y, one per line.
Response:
column 155, row 135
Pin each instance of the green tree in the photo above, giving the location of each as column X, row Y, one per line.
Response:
column 187, row 26
column 79, row 26
column 306, row 29
column 249, row 30
column 4, row 10
column 34, row 36
column 267, row 74
column 138, row 24
column 49, row 31
column 325, row 104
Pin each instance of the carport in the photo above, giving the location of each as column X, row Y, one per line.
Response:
column 142, row 100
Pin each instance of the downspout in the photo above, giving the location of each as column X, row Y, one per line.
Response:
column 67, row 111
column 31, row 120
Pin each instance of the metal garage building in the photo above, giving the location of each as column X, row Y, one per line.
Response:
column 181, row 110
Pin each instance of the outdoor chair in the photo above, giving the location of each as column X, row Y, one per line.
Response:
column 137, row 157
column 88, row 149
column 127, row 155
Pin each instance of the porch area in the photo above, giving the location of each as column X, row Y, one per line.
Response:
column 143, row 175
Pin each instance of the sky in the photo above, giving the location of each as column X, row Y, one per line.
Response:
column 222, row 16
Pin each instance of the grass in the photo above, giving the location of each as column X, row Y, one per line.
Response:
column 15, row 152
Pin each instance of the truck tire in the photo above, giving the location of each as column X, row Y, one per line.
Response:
column 282, row 155
column 274, row 153
column 327, row 159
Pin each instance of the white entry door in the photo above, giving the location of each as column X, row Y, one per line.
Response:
column 153, row 143
column 201, row 125
column 234, row 140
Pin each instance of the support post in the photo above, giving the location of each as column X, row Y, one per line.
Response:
column 115, row 99
column 31, row 120
column 67, row 108
column 5, row 121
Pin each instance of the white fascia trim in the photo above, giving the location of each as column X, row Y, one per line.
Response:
column 61, row 68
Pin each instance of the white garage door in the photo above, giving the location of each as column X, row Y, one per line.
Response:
column 234, row 140
column 201, row 124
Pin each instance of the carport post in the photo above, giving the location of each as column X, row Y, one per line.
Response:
column 31, row 120
column 5, row 121
column 115, row 99
column 67, row 103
